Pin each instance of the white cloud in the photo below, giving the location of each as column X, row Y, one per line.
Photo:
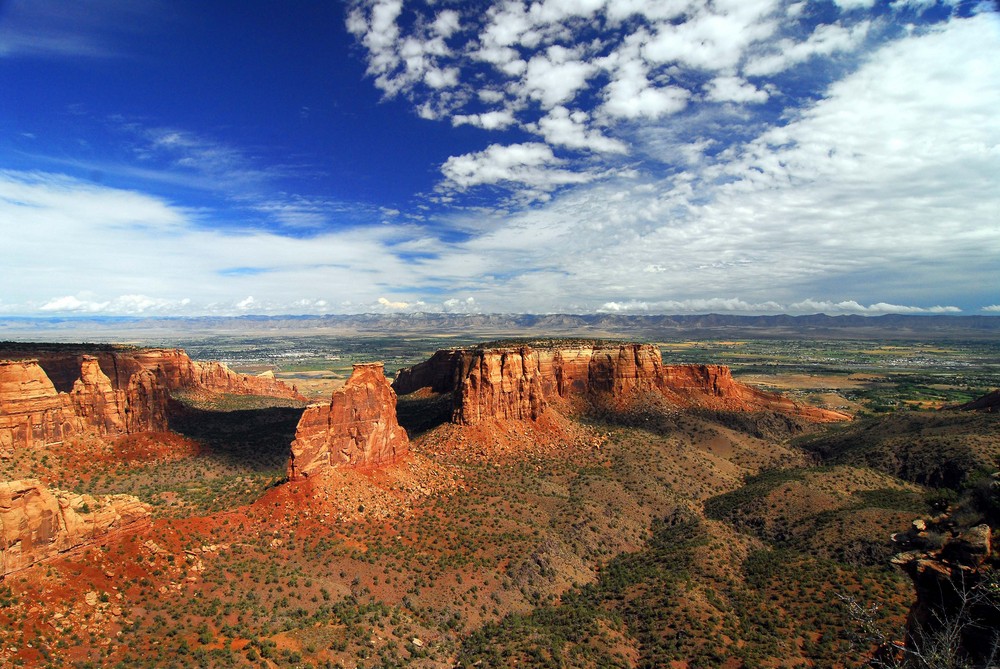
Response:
column 692, row 306
column 825, row 40
column 530, row 164
column 70, row 303
column 734, row 89
column 630, row 95
column 555, row 77
column 561, row 127
column 492, row 120
column 388, row 304
column 246, row 303
column 992, row 308
column 848, row 5
column 713, row 39
column 123, row 304
column 853, row 307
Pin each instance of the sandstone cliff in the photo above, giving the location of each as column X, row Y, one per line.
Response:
column 179, row 372
column 37, row 523
column 518, row 382
column 32, row 411
column 34, row 414
column 357, row 428
column 66, row 391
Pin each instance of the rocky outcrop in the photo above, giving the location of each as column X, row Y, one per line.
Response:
column 32, row 412
column 358, row 428
column 96, row 401
column 37, row 523
column 179, row 372
column 146, row 402
column 518, row 382
column 66, row 392
column 955, row 576
column 437, row 373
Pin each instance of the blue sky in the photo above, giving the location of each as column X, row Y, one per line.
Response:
column 624, row 156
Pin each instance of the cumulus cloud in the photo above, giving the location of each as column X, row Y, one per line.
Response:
column 641, row 59
column 389, row 304
column 123, row 304
column 992, row 308
column 734, row 89
column 826, row 39
column 531, row 164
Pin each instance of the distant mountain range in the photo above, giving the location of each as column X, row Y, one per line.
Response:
column 614, row 325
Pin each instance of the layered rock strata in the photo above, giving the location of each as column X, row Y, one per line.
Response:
column 32, row 411
column 179, row 372
column 37, row 523
column 358, row 427
column 65, row 392
column 34, row 414
column 518, row 382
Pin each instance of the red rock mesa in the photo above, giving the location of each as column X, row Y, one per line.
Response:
column 518, row 382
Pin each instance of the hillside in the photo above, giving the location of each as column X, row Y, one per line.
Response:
column 630, row 523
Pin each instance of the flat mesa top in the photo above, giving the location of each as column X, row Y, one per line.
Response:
column 549, row 343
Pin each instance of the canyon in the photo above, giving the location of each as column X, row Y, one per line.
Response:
column 37, row 523
column 51, row 393
column 490, row 503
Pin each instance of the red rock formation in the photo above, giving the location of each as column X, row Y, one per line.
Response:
column 181, row 373
column 437, row 373
column 112, row 393
column 519, row 381
column 357, row 428
column 146, row 402
column 37, row 523
column 32, row 412
column 96, row 401
column 506, row 384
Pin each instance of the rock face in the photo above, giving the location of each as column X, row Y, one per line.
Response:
column 32, row 411
column 34, row 414
column 954, row 574
column 179, row 372
column 37, row 523
column 357, row 428
column 96, row 401
column 66, row 392
column 518, row 382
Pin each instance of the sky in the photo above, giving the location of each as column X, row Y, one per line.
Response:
column 187, row 158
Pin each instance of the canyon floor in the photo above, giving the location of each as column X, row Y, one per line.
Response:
column 647, row 537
